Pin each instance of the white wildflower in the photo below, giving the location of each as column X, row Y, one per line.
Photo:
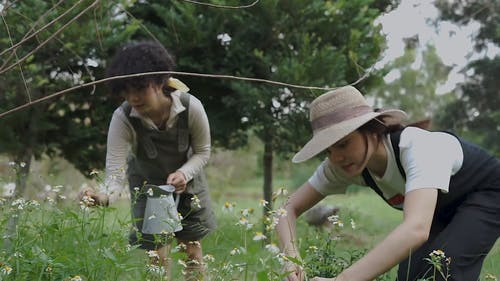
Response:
column 224, row 39
column 259, row 236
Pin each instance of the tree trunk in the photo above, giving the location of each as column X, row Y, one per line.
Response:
column 23, row 164
column 23, row 158
column 268, row 178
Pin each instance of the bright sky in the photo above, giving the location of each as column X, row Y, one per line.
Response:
column 453, row 43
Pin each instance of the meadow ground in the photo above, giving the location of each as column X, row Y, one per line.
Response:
column 57, row 240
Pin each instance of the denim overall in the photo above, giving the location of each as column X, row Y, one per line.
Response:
column 158, row 154
column 466, row 221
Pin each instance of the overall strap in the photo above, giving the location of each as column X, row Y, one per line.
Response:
column 182, row 124
column 368, row 178
column 395, row 146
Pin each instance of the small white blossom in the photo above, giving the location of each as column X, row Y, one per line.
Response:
column 195, row 202
column 234, row 251
column 263, row 203
column 152, row 254
column 228, row 207
column 155, row 269
column 259, row 236
column 246, row 212
column 224, row 39
column 272, row 248
column 209, row 258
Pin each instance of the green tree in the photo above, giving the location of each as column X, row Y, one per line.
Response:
column 476, row 114
column 415, row 77
column 320, row 43
column 72, row 126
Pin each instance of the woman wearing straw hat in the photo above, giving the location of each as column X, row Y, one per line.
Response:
column 161, row 135
column 447, row 188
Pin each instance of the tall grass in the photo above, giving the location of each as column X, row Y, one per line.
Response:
column 58, row 239
column 62, row 241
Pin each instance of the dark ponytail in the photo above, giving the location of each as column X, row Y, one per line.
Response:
column 377, row 126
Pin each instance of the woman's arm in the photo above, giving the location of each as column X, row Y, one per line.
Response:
column 119, row 143
column 419, row 209
column 199, row 130
column 299, row 202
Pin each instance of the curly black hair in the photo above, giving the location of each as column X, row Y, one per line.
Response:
column 139, row 57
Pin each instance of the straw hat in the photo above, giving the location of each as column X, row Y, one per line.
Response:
column 338, row 113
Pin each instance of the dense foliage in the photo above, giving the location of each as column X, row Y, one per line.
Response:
column 73, row 125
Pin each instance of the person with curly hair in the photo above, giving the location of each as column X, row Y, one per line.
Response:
column 159, row 135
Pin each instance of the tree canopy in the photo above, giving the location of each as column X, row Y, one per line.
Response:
column 52, row 46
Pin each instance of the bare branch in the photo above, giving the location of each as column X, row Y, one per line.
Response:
column 26, row 38
column 15, row 54
column 50, row 38
column 222, row 6
column 175, row 73
column 31, row 29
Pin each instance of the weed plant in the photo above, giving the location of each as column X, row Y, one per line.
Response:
column 58, row 239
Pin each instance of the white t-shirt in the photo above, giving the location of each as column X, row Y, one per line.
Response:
column 429, row 159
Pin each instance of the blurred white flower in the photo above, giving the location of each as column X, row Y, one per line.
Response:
column 209, row 258
column 152, row 254
column 8, row 189
column 87, row 121
column 259, row 236
column 195, row 202
column 272, row 248
column 334, row 219
column 228, row 207
column 224, row 39
column 234, row 251
column 246, row 212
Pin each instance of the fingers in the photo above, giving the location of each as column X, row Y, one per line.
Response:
column 86, row 196
column 296, row 273
column 91, row 198
column 178, row 180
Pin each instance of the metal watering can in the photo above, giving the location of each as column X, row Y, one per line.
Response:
column 161, row 210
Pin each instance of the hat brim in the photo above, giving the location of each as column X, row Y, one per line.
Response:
column 330, row 135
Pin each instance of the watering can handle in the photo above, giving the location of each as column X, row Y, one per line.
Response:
column 177, row 199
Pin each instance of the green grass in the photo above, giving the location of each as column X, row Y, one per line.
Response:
column 59, row 241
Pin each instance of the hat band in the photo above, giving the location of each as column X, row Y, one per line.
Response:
column 339, row 116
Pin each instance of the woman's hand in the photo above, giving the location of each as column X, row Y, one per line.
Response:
column 323, row 279
column 92, row 198
column 296, row 273
column 178, row 180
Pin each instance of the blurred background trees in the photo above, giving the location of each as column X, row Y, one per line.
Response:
column 476, row 112
column 313, row 43
column 36, row 64
column 324, row 43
